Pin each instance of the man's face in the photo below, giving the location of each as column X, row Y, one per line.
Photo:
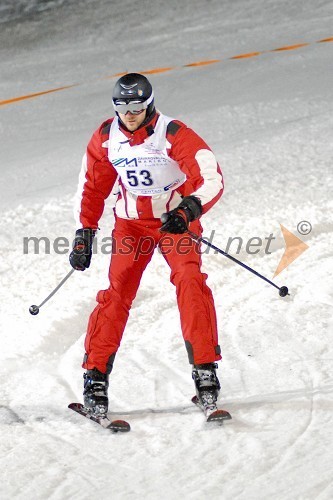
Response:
column 131, row 121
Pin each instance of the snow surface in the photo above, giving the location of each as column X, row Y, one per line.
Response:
column 269, row 120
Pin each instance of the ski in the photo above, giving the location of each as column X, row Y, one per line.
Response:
column 212, row 414
column 104, row 421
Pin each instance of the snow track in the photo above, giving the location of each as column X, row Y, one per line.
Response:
column 269, row 120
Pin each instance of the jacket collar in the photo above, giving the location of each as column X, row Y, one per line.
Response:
column 140, row 135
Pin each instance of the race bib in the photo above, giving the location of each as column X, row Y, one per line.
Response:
column 145, row 169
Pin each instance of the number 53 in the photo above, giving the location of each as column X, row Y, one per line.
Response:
column 135, row 178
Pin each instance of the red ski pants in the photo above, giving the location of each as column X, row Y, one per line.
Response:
column 133, row 246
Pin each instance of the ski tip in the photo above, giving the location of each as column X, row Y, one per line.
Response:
column 103, row 420
column 119, row 426
column 219, row 416
column 215, row 416
column 75, row 406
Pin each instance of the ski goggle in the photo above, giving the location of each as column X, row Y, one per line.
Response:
column 124, row 106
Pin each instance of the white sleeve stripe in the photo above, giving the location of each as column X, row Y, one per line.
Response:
column 79, row 192
column 213, row 181
column 159, row 204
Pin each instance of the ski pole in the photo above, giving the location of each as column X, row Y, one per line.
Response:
column 283, row 290
column 35, row 309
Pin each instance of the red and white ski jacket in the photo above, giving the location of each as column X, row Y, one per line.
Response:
column 148, row 170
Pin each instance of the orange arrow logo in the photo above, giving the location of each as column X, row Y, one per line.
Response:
column 294, row 248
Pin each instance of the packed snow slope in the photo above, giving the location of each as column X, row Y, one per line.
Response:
column 269, row 120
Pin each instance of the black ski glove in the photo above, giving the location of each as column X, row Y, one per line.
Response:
column 176, row 221
column 80, row 256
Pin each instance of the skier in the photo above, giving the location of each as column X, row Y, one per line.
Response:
column 164, row 177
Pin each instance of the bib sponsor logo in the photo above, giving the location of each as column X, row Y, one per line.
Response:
column 124, row 162
column 169, row 186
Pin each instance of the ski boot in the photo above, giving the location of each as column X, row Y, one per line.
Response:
column 95, row 393
column 207, row 385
